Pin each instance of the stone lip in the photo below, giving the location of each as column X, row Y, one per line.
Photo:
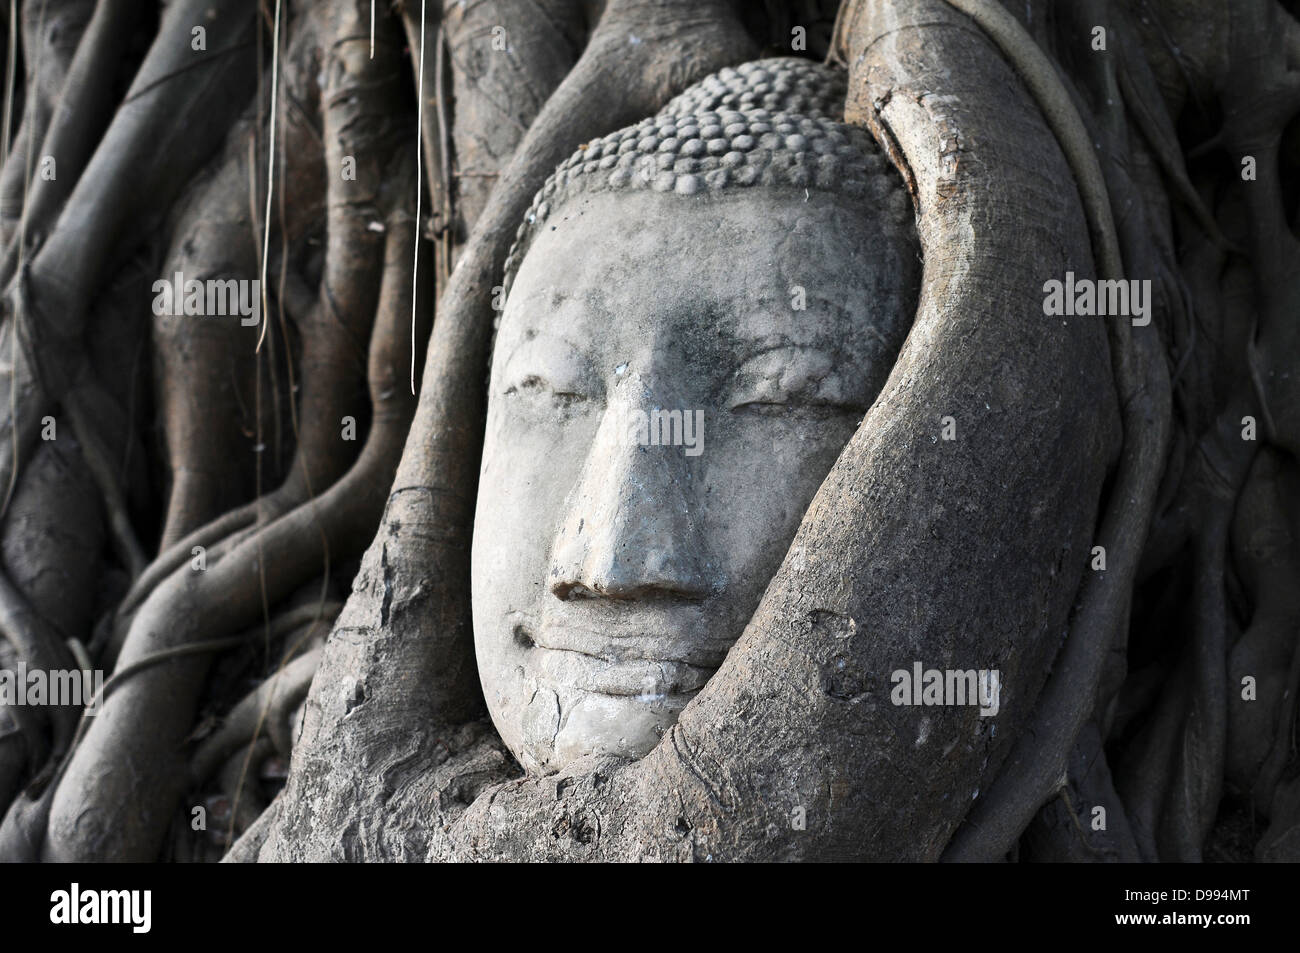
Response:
column 668, row 635
column 629, row 677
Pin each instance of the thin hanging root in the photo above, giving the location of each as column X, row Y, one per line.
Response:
column 246, row 806
column 270, row 171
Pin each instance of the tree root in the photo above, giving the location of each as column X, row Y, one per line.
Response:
column 1141, row 380
column 268, row 707
column 87, row 816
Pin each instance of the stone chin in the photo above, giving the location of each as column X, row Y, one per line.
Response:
column 553, row 706
column 562, row 724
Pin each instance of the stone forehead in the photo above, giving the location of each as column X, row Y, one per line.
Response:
column 773, row 123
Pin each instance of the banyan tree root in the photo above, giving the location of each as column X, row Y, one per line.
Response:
column 1039, row 760
column 51, row 32
column 137, row 168
column 52, row 542
column 88, row 816
column 332, row 326
column 269, row 707
column 70, row 133
column 370, row 237
column 256, row 737
column 49, row 255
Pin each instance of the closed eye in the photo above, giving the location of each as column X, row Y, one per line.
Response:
column 798, row 407
column 797, row 383
column 538, row 388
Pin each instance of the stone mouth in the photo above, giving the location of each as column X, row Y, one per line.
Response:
column 652, row 654
column 646, row 680
column 622, row 632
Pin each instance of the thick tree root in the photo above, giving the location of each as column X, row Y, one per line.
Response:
column 88, row 818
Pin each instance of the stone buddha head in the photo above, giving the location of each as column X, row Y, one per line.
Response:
column 700, row 310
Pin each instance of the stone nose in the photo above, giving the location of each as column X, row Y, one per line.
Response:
column 631, row 529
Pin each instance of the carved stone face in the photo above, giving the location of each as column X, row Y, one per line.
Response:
column 612, row 572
